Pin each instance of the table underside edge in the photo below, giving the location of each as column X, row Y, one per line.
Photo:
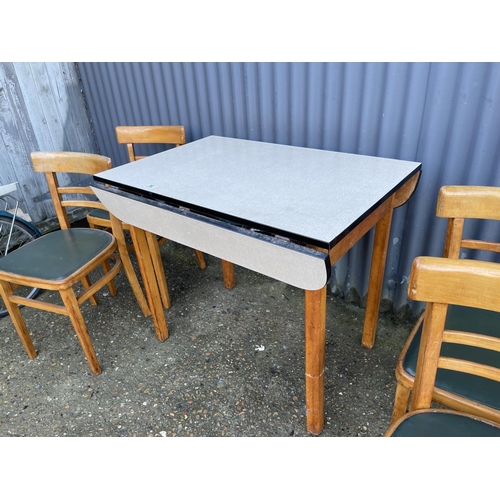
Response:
column 277, row 258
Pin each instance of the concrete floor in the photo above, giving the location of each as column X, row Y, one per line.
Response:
column 232, row 366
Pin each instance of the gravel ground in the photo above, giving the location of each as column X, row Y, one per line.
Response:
column 232, row 366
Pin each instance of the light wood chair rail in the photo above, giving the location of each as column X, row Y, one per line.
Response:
column 458, row 203
column 69, row 162
column 448, row 284
column 150, row 134
column 469, row 202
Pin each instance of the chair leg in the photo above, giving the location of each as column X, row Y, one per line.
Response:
column 111, row 284
column 128, row 268
column 17, row 320
column 400, row 402
column 76, row 317
column 149, row 279
column 201, row 259
column 134, row 282
column 228, row 274
column 87, row 284
column 159, row 269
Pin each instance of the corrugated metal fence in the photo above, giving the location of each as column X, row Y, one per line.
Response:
column 445, row 115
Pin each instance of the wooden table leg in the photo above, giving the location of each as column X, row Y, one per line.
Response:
column 315, row 325
column 145, row 262
column 379, row 255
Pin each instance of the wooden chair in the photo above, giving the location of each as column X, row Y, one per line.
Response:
column 130, row 135
column 458, row 391
column 441, row 282
column 64, row 258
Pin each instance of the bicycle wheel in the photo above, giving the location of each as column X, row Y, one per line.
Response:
column 22, row 233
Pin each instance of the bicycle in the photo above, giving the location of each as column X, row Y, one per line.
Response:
column 14, row 233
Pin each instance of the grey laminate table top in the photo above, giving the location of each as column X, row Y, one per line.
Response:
column 308, row 195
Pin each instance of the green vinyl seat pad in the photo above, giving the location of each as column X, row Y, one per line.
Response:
column 100, row 213
column 479, row 389
column 436, row 423
column 56, row 255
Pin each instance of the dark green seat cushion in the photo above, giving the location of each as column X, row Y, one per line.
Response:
column 56, row 255
column 439, row 424
column 98, row 212
column 478, row 389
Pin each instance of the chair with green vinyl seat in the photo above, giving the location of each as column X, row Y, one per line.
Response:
column 63, row 259
column 459, row 391
column 443, row 283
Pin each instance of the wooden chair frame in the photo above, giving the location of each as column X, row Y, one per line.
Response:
column 51, row 163
column 456, row 203
column 440, row 282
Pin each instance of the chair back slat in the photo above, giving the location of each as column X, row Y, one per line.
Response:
column 458, row 203
column 75, row 190
column 69, row 162
column 489, row 246
column 463, row 282
column 150, row 134
column 83, row 204
column 469, row 202
column 470, row 367
column 472, row 339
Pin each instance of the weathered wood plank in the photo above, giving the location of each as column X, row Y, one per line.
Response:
column 42, row 109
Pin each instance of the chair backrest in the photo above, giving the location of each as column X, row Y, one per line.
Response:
column 440, row 282
column 53, row 162
column 154, row 134
column 458, row 203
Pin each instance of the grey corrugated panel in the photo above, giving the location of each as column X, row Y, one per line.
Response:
column 445, row 115
column 453, row 150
